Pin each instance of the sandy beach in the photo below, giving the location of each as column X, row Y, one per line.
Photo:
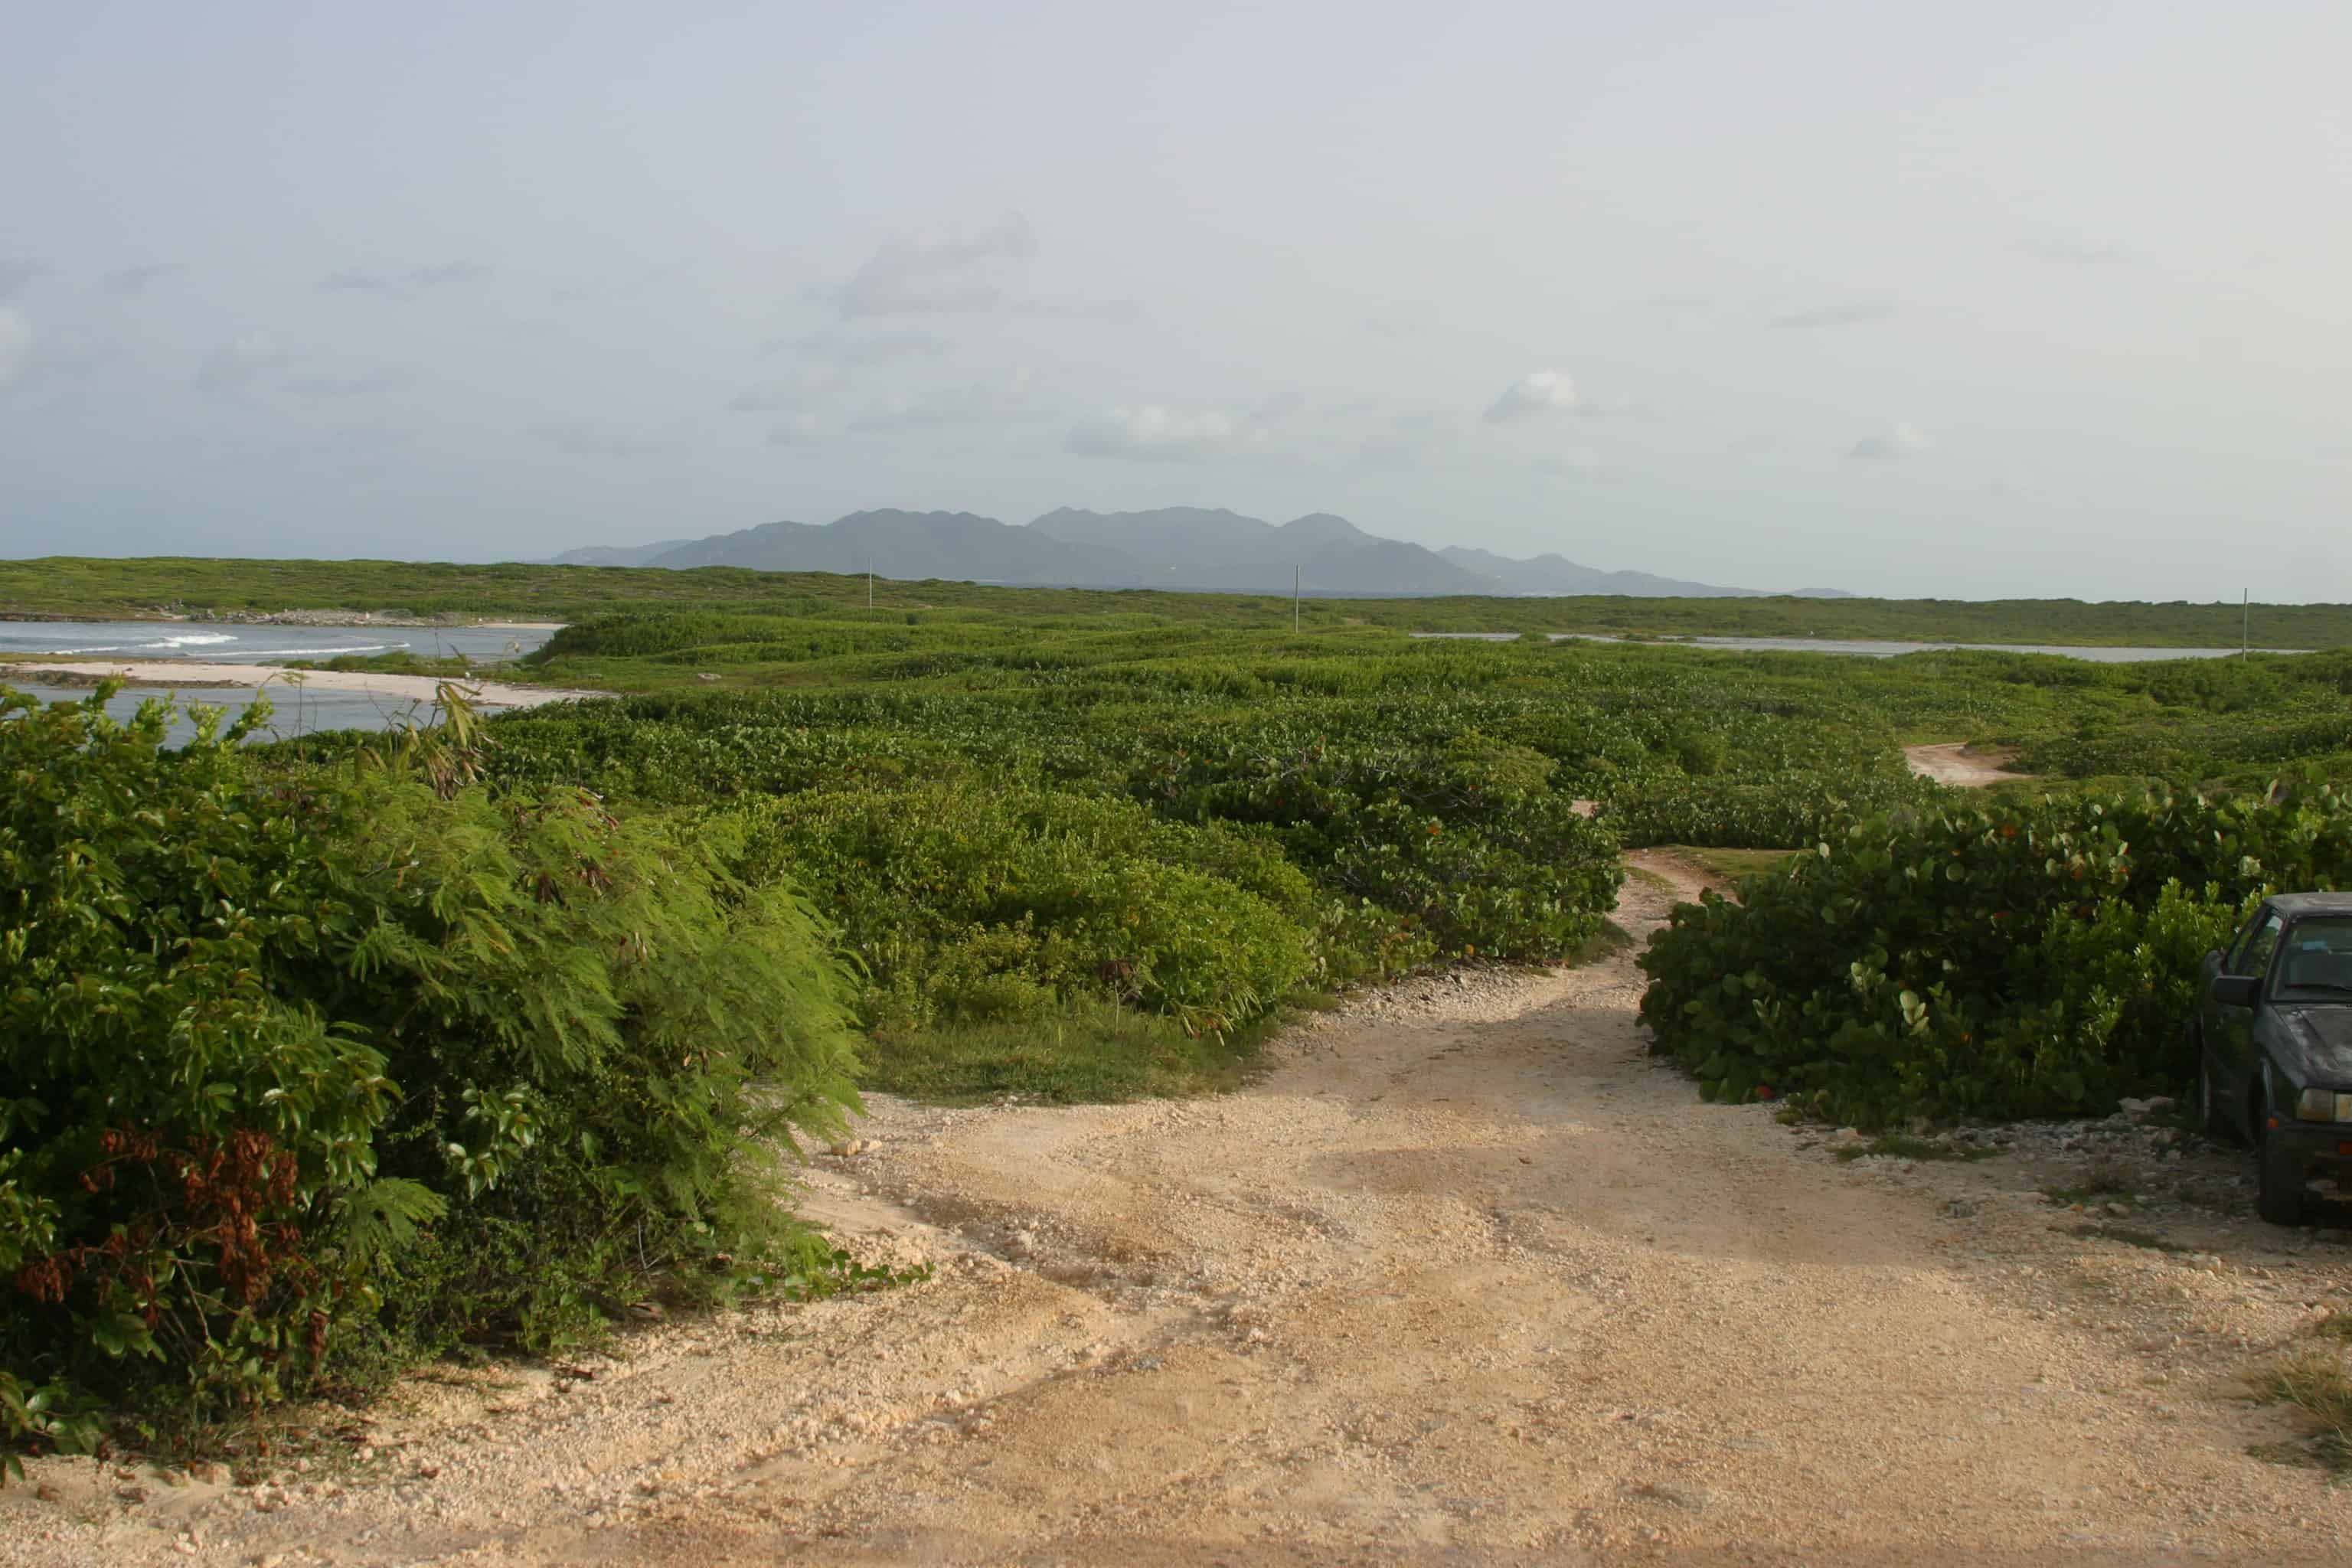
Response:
column 193, row 675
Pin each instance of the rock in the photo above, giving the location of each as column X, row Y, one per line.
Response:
column 849, row 1146
column 704, row 676
column 1960, row 1208
column 2119, row 1209
column 47, row 1493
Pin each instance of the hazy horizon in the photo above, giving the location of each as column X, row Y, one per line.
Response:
column 2005, row 301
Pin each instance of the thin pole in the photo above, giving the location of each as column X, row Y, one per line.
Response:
column 1293, row 600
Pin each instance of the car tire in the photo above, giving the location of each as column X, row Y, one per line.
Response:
column 2211, row 1119
column 2279, row 1194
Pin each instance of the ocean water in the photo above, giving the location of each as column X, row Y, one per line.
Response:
column 227, row 644
column 293, row 712
column 294, row 709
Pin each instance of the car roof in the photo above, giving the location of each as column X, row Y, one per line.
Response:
column 2312, row 903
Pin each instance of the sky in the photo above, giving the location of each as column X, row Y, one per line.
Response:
column 1998, row 300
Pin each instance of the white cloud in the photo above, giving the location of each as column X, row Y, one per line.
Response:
column 15, row 344
column 1538, row 392
column 596, row 438
column 859, row 349
column 131, row 280
column 1154, row 433
column 1848, row 315
column 240, row 362
column 980, row 404
column 796, row 392
column 404, row 283
column 1898, row 441
column 937, row 274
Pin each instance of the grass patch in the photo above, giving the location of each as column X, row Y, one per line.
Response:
column 2315, row 1381
column 1607, row 943
column 2128, row 1235
column 1903, row 1146
column 1092, row 1052
column 1732, row 866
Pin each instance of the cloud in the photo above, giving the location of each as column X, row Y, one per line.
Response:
column 857, row 349
column 2073, row 253
column 1408, row 441
column 1898, row 441
column 15, row 344
column 1156, row 435
column 239, row 364
column 131, row 280
column 936, row 274
column 1538, row 392
column 798, row 391
column 1577, row 462
column 1850, row 315
column 405, row 283
column 332, row 388
column 15, row 273
column 592, row 438
column 980, row 403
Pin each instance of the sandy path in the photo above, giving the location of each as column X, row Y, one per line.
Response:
column 1467, row 1278
column 1962, row 765
column 195, row 674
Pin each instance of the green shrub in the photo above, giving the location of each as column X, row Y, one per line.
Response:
column 967, row 905
column 273, row 1032
column 1999, row 959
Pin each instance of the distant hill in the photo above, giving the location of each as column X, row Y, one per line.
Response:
column 1557, row 575
column 1222, row 552
column 617, row 554
column 1195, row 548
column 956, row 545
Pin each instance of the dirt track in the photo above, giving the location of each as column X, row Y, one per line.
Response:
column 1467, row 1278
column 1961, row 765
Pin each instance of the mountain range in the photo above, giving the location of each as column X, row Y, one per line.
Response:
column 1191, row 548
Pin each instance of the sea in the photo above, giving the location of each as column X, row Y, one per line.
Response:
column 294, row 710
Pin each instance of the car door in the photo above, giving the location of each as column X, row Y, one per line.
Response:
column 2230, row 1031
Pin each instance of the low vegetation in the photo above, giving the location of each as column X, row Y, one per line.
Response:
column 329, row 1054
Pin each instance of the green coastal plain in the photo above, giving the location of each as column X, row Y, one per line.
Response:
column 495, row 1029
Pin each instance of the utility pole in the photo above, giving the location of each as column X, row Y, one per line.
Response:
column 1293, row 600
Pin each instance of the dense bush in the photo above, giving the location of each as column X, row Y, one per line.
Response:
column 1984, row 960
column 1465, row 839
column 971, row 906
column 304, row 1061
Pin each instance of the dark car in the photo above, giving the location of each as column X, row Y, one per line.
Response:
column 2274, row 1047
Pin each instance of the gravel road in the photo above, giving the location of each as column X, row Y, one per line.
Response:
column 1467, row 1277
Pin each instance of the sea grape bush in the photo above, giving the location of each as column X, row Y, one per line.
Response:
column 305, row 1062
column 2007, row 960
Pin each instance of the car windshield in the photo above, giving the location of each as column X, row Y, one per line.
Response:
column 2315, row 959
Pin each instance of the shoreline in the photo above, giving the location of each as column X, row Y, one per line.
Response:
column 285, row 618
column 196, row 676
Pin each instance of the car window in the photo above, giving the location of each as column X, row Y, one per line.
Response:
column 2316, row 955
column 2242, row 941
column 2253, row 954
